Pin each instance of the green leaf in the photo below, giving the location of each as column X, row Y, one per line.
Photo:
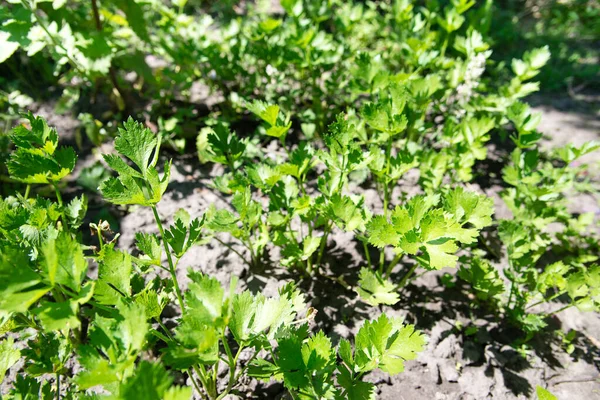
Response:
column 469, row 207
column 310, row 245
column 537, row 58
column 340, row 136
column 381, row 233
column 386, row 344
column 439, row 247
column 348, row 213
column 255, row 315
column 266, row 112
column 264, row 370
column 149, row 245
column 135, row 18
column 19, row 283
column 98, row 370
column 149, row 381
column 152, row 302
column 7, row 47
column 225, row 146
column 204, row 299
column 222, row 221
column 132, row 329
column 570, row 152
column 278, row 131
column 307, row 364
column 9, row 355
column 120, row 338
column 544, row 394
column 345, row 352
column 63, row 261
column 114, row 274
column 202, row 324
column 355, row 389
column 375, row 290
column 58, row 316
column 141, row 186
column 76, row 211
column 483, row 277
column 178, row 393
column 37, row 159
column 183, row 234
column 198, row 344
column 584, row 288
column 440, row 255
column 376, row 116
column 138, row 144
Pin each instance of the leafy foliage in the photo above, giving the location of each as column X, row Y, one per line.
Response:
column 141, row 185
column 367, row 120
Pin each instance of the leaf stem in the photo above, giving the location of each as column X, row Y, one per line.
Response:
column 100, row 240
column 27, row 189
column 560, row 309
column 393, row 264
column 169, row 258
column 386, row 182
column 546, row 300
column 367, row 253
column 57, row 386
column 233, row 360
column 406, row 277
column 323, row 244
column 230, row 247
column 242, row 370
column 60, row 204
column 198, row 389
column 200, row 372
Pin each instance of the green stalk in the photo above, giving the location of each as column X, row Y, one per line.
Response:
column 198, row 388
column 57, row 386
column 386, row 198
column 169, row 258
column 386, row 183
column 201, row 372
column 309, row 265
column 100, row 241
column 230, row 247
column 559, row 310
column 60, row 204
column 393, row 264
column 242, row 370
column 408, row 275
column 512, row 282
column 445, row 44
column 232, row 363
column 323, row 243
column 367, row 254
column 546, row 300
column 27, row 189
column 253, row 257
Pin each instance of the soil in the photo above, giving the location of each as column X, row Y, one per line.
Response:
column 478, row 363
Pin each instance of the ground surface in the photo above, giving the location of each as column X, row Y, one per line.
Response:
column 455, row 365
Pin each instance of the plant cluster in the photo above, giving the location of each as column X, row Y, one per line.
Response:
column 387, row 96
column 106, row 324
